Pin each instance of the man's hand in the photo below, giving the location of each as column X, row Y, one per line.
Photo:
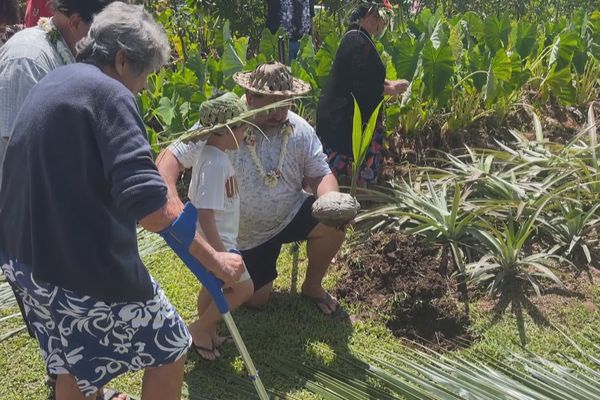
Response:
column 229, row 267
column 395, row 88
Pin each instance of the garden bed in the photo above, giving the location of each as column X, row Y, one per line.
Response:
column 396, row 279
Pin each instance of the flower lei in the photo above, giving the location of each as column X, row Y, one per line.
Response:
column 271, row 178
column 54, row 37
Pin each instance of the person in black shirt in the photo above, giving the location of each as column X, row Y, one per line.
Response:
column 357, row 71
column 295, row 16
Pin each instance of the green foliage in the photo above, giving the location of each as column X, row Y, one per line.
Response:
column 514, row 216
column 421, row 373
column 461, row 68
column 361, row 139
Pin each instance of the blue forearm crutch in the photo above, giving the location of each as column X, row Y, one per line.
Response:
column 179, row 236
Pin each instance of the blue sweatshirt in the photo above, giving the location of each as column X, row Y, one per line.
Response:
column 78, row 175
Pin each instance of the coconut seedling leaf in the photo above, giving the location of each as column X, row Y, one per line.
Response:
column 356, row 131
column 367, row 135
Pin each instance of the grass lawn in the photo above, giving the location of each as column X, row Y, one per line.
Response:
column 289, row 328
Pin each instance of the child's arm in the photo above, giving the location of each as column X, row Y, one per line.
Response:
column 208, row 225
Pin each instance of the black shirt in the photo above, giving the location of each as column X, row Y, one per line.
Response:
column 359, row 71
column 274, row 15
column 78, row 174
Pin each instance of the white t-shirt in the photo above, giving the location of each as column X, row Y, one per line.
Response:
column 213, row 186
column 265, row 211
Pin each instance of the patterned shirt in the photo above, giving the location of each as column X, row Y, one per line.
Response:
column 24, row 60
column 265, row 211
column 294, row 16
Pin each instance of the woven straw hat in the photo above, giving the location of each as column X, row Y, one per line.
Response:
column 221, row 109
column 271, row 79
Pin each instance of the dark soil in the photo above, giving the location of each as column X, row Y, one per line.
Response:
column 398, row 281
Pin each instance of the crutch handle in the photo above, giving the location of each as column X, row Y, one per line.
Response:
column 179, row 236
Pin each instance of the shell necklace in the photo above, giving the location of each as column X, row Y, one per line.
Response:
column 270, row 178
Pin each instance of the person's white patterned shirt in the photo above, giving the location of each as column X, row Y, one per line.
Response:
column 265, row 211
column 24, row 60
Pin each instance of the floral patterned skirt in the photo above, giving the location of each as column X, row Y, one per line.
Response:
column 93, row 340
column 341, row 164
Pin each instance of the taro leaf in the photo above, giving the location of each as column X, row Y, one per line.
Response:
column 472, row 25
column 526, row 38
column 560, row 83
column 424, row 23
column 553, row 28
column 254, row 62
column 392, row 117
column 227, row 32
column 405, row 55
column 440, row 35
column 499, row 71
column 496, row 31
column 299, row 72
column 390, row 70
column 519, row 74
column 184, row 109
column 268, row 45
column 563, row 48
column 478, row 62
column 215, row 72
column 144, row 102
column 491, row 86
column 184, row 82
column 502, row 66
column 323, row 68
column 198, row 65
column 307, row 48
column 580, row 56
column 331, row 43
column 165, row 111
column 438, row 67
column 234, row 57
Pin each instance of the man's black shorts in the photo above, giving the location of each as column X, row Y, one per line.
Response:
column 261, row 261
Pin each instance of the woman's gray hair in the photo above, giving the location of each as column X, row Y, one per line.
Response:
column 129, row 28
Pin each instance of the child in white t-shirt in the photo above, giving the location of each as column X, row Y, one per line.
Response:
column 214, row 192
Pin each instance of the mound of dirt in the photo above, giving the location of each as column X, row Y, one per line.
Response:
column 398, row 280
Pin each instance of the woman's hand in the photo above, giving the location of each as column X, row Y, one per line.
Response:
column 395, row 88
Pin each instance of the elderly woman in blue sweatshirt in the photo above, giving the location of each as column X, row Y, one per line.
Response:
column 78, row 176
